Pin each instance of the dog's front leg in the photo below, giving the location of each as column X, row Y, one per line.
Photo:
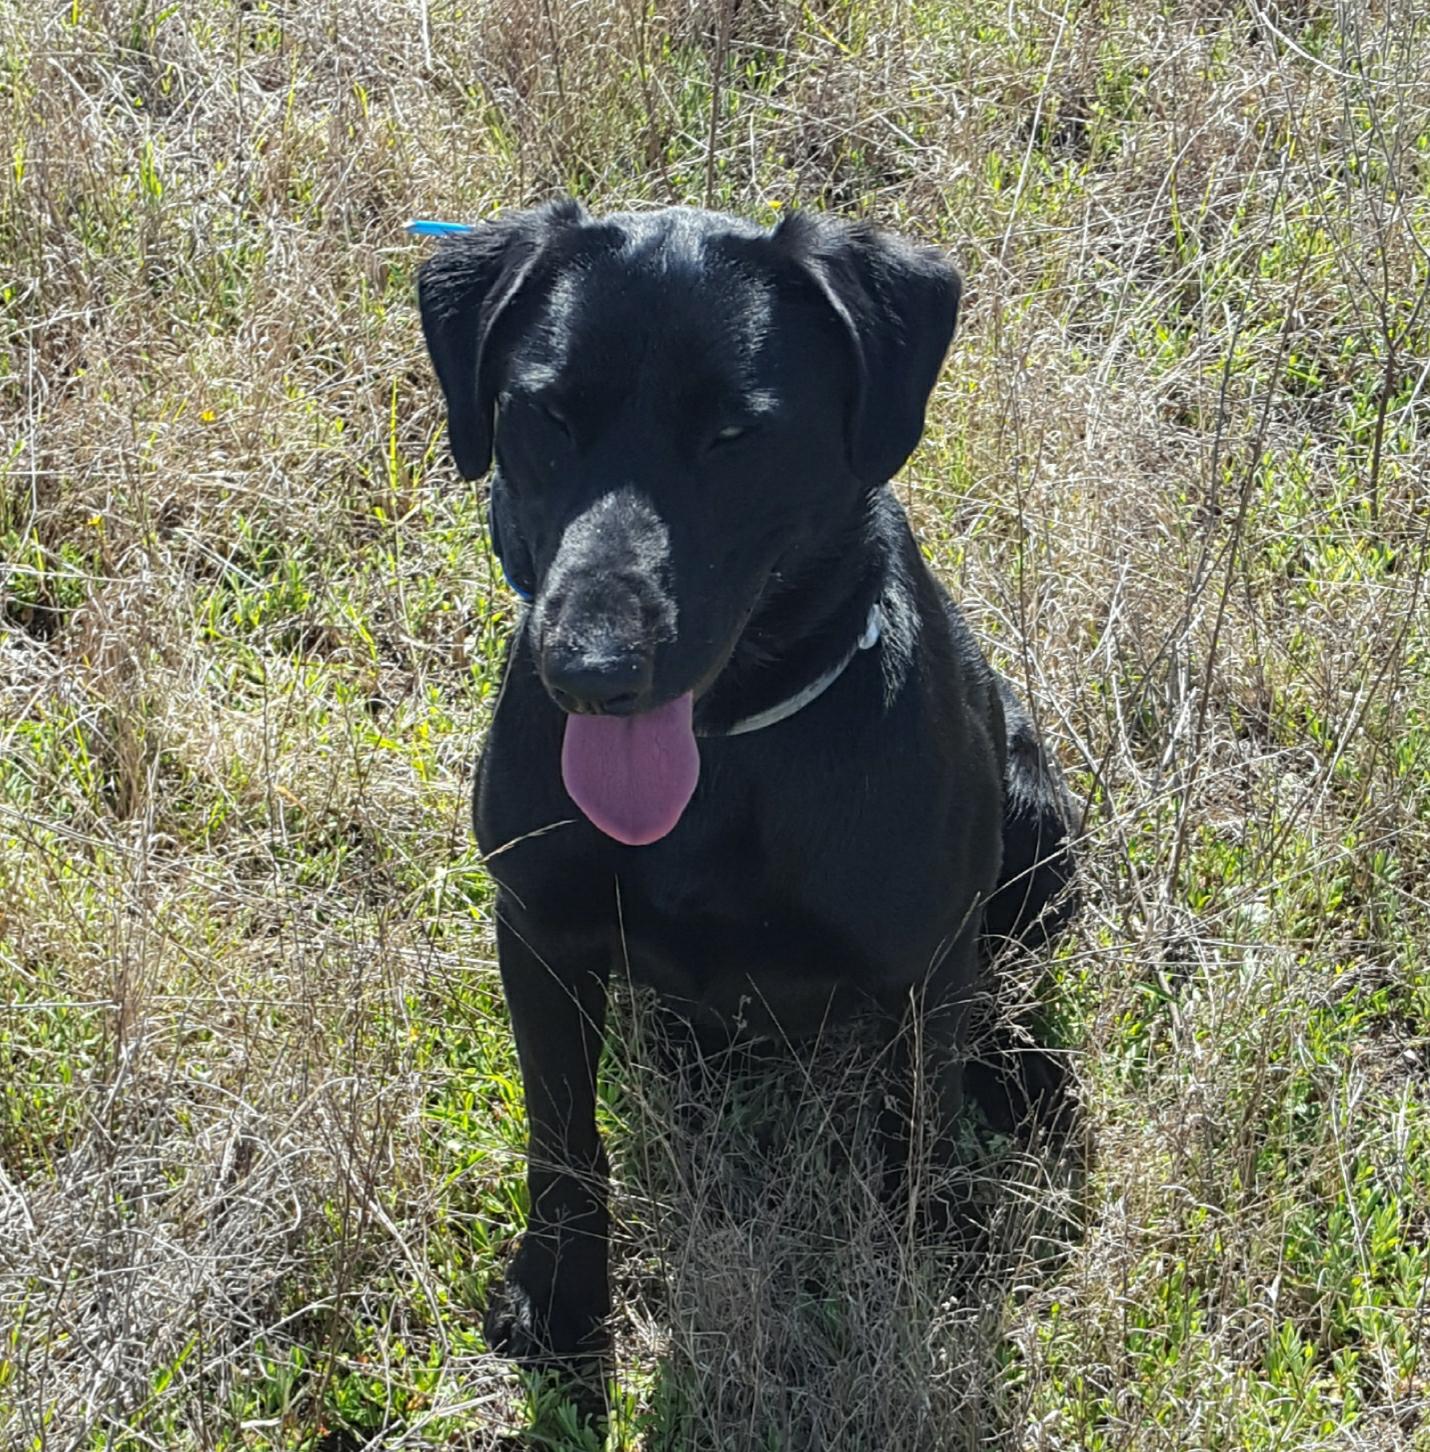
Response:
column 551, row 1308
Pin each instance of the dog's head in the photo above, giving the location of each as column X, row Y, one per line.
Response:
column 678, row 402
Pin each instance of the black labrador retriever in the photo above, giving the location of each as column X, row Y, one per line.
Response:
column 746, row 749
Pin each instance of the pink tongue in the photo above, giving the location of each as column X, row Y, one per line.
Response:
column 632, row 775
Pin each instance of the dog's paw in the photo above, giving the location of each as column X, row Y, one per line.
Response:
column 548, row 1313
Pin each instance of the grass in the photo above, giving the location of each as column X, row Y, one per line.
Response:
column 260, row 1144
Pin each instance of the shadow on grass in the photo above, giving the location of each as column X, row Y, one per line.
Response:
column 780, row 1293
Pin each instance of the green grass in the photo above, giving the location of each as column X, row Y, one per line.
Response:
column 260, row 1143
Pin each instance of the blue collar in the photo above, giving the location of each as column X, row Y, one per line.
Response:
column 782, row 710
column 525, row 596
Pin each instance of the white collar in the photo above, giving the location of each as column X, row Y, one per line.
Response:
column 873, row 628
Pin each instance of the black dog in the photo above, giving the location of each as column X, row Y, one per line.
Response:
column 746, row 750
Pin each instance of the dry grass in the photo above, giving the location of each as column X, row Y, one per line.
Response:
column 261, row 1137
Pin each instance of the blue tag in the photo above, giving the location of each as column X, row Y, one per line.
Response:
column 422, row 227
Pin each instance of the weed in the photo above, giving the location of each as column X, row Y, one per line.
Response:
column 260, row 1146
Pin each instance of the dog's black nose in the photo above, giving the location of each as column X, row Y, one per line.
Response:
column 596, row 683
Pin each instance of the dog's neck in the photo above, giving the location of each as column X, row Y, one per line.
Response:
column 808, row 627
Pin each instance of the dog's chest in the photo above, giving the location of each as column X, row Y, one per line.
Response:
column 726, row 948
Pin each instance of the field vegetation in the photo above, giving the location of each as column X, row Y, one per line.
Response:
column 261, row 1124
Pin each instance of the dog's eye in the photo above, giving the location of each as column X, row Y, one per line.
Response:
column 730, row 433
column 555, row 416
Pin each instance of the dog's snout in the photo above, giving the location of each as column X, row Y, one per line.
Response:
column 604, row 609
column 608, row 683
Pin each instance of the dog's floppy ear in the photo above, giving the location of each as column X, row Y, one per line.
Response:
column 507, row 544
column 462, row 289
column 899, row 305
